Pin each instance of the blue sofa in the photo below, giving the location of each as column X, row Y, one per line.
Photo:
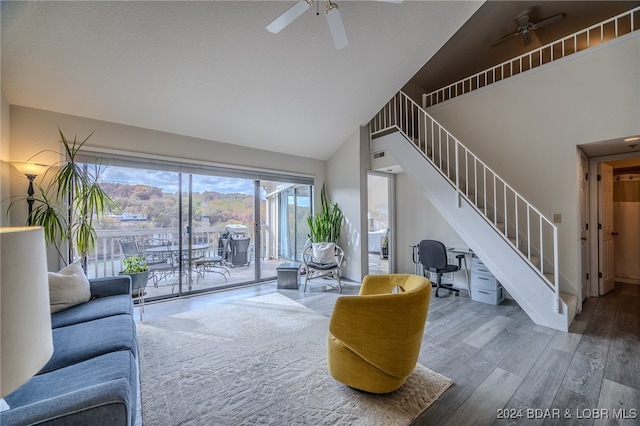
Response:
column 92, row 376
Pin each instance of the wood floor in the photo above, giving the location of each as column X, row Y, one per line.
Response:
column 506, row 369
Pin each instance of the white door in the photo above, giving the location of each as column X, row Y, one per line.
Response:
column 584, row 228
column 605, row 224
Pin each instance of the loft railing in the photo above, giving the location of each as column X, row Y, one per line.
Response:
column 533, row 236
column 595, row 35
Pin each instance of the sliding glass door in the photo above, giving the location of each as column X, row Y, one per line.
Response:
column 284, row 208
column 199, row 229
column 218, row 217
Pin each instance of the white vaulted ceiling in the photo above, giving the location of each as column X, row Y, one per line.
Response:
column 210, row 69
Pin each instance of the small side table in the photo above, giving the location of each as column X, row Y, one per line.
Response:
column 288, row 275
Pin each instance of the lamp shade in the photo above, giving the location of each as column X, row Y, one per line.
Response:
column 25, row 318
column 29, row 168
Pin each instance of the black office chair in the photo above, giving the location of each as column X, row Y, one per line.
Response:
column 433, row 257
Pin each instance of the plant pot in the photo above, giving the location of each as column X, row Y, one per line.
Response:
column 138, row 282
column 384, row 252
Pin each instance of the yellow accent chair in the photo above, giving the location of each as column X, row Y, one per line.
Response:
column 374, row 338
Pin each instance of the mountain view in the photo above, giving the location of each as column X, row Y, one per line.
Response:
column 144, row 206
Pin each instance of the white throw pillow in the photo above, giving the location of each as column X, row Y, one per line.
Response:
column 68, row 288
column 324, row 253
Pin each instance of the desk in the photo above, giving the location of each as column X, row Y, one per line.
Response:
column 467, row 271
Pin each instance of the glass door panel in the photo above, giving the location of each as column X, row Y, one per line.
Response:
column 379, row 223
column 284, row 209
column 219, row 220
column 199, row 231
column 147, row 225
column 273, row 225
column 302, row 211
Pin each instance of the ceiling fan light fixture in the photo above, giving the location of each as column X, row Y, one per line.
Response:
column 336, row 27
column 334, row 20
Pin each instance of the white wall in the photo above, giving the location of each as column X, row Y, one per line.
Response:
column 345, row 178
column 417, row 219
column 527, row 128
column 5, row 167
column 35, row 130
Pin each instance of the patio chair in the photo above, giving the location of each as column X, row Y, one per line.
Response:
column 129, row 247
column 160, row 259
column 210, row 264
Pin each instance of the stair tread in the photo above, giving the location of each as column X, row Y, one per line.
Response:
column 568, row 297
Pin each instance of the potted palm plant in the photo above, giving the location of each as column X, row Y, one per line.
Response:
column 68, row 205
column 136, row 267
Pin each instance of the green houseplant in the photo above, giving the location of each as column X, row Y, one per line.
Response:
column 68, row 205
column 136, row 267
column 384, row 245
column 325, row 225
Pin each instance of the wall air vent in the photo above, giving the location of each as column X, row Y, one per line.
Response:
column 378, row 154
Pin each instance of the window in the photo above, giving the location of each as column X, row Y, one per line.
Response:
column 220, row 227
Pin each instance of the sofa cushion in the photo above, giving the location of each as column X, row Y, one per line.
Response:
column 68, row 287
column 79, row 342
column 94, row 309
column 99, row 391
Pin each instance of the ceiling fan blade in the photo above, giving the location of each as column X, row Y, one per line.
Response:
column 289, row 16
column 526, row 37
column 547, row 21
column 336, row 27
column 505, row 38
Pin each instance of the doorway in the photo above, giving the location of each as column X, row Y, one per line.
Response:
column 614, row 211
column 380, row 223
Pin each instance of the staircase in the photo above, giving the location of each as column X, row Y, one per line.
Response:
column 513, row 239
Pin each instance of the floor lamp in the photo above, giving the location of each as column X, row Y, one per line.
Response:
column 26, row 342
column 31, row 171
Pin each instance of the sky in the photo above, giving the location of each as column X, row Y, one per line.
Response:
column 168, row 181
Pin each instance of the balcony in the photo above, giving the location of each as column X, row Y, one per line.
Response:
column 107, row 257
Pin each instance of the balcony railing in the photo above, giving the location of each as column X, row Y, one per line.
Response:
column 106, row 259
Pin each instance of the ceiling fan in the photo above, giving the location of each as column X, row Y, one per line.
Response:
column 336, row 26
column 526, row 27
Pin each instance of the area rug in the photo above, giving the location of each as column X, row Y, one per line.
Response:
column 260, row 361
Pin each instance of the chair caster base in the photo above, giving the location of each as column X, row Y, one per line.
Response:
column 448, row 288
